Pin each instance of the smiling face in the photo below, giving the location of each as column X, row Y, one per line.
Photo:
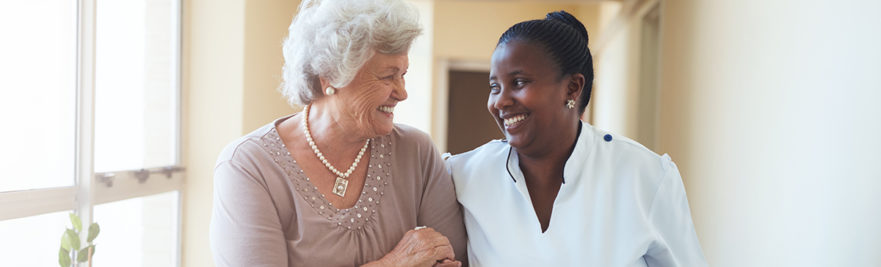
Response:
column 368, row 102
column 528, row 95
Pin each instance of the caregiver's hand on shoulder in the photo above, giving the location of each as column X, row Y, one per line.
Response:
column 420, row 247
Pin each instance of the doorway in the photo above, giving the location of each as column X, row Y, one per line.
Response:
column 469, row 124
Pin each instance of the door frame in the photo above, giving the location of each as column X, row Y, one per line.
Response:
column 441, row 96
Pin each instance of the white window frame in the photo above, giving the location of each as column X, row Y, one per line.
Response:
column 92, row 188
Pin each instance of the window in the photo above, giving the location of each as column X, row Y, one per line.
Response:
column 39, row 93
column 135, row 85
column 138, row 231
column 34, row 240
column 91, row 116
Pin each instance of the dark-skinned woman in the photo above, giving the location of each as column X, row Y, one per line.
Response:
column 557, row 191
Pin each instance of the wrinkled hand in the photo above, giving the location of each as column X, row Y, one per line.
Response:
column 423, row 247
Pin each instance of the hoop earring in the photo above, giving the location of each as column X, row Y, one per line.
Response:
column 329, row 91
column 570, row 103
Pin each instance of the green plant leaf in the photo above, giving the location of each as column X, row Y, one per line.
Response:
column 77, row 223
column 94, row 229
column 63, row 258
column 93, row 249
column 83, row 254
column 65, row 241
column 74, row 239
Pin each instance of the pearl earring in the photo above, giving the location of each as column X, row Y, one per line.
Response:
column 329, row 91
column 570, row 103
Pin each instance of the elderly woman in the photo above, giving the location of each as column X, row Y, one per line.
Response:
column 558, row 192
column 339, row 184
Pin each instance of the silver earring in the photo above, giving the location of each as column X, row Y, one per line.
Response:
column 329, row 91
column 570, row 103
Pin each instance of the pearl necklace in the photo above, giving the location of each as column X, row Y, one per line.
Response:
column 340, row 185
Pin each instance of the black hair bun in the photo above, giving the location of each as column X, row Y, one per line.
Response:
column 568, row 19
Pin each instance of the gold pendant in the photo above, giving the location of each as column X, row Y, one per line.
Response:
column 339, row 187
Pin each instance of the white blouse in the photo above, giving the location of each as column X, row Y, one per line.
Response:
column 620, row 205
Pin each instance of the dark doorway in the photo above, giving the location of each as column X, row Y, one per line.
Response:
column 469, row 124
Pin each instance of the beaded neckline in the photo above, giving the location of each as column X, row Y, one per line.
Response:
column 365, row 209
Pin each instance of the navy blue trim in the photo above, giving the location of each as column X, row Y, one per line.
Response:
column 508, row 168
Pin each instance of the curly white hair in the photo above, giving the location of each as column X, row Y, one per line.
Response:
column 333, row 39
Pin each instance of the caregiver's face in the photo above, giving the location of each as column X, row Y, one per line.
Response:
column 527, row 94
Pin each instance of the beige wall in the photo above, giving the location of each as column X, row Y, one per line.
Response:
column 469, row 30
column 616, row 81
column 231, row 56
column 770, row 108
column 266, row 26
column 624, row 100
column 213, row 63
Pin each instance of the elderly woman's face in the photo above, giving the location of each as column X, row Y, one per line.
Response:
column 371, row 97
column 527, row 95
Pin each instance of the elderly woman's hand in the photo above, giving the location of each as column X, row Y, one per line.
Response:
column 423, row 247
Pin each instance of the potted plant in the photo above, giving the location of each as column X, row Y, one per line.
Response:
column 72, row 251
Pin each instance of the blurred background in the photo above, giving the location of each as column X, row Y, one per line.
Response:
column 117, row 110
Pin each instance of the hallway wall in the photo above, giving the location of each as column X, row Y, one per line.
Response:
column 770, row 108
column 212, row 90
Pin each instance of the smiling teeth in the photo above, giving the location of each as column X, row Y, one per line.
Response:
column 386, row 109
column 512, row 120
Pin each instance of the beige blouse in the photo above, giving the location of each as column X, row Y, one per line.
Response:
column 267, row 212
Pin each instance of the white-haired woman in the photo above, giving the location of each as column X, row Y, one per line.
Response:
column 339, row 184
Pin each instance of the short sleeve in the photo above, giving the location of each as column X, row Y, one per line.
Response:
column 245, row 229
column 439, row 208
column 677, row 243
